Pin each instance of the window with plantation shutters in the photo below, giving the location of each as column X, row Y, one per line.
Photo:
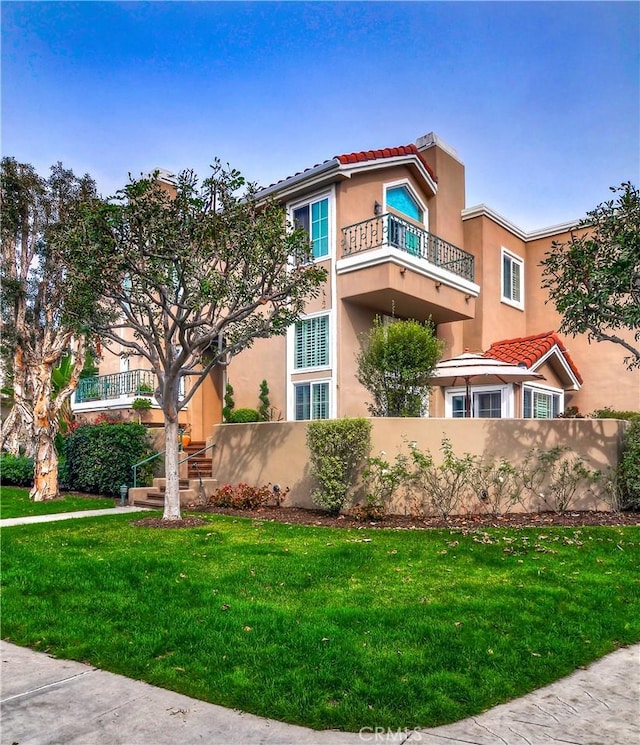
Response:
column 311, row 347
column 540, row 404
column 311, row 400
column 512, row 279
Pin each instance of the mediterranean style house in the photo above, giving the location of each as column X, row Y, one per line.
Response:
column 392, row 228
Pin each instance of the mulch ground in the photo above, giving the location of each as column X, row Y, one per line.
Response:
column 299, row 516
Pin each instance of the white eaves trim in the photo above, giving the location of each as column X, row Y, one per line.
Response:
column 291, row 186
column 367, row 165
column 481, row 210
column 555, row 352
column 318, row 175
column 402, row 259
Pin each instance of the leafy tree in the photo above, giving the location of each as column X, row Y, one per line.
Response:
column 395, row 364
column 194, row 273
column 594, row 279
column 45, row 310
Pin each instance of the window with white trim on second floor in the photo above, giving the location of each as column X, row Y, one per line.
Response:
column 314, row 218
column 512, row 279
column 311, row 343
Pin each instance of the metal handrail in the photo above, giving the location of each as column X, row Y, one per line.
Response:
column 115, row 385
column 142, row 462
column 191, row 455
column 157, row 455
column 390, row 230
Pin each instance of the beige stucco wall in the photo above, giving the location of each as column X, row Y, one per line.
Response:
column 276, row 452
column 607, row 381
column 496, row 320
column 446, row 206
column 356, row 197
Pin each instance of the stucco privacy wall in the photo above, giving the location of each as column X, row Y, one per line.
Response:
column 276, row 452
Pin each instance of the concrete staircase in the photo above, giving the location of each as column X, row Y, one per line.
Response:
column 196, row 481
column 198, row 466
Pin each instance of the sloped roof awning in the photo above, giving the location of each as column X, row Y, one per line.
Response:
column 477, row 369
column 535, row 351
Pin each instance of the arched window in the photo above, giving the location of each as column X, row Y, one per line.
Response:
column 402, row 200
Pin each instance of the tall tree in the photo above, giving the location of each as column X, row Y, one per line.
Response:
column 395, row 364
column 195, row 273
column 594, row 279
column 44, row 310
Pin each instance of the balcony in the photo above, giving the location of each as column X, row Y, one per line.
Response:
column 389, row 230
column 393, row 266
column 117, row 385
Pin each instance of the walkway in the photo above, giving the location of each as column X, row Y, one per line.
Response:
column 67, row 516
column 49, row 702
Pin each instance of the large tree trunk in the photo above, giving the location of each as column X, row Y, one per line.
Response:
column 45, row 471
column 16, row 436
column 172, row 470
column 46, row 408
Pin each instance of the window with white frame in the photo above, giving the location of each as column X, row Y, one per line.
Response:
column 486, row 405
column 311, row 400
column 402, row 234
column 311, row 342
column 541, row 404
column 512, row 279
column 487, row 402
column 313, row 217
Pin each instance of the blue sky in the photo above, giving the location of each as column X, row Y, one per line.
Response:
column 541, row 100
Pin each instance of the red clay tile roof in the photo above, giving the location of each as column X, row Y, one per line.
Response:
column 387, row 152
column 362, row 157
column 530, row 349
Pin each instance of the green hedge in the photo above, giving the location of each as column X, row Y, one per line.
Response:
column 629, row 470
column 100, row 457
column 243, row 416
column 16, row 470
column 337, row 449
column 609, row 413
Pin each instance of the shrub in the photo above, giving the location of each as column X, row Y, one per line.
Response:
column 229, row 403
column 609, row 413
column 337, row 448
column 16, row 470
column 443, row 486
column 264, row 410
column 555, row 477
column 140, row 405
column 100, row 457
column 629, row 469
column 243, row 416
column 382, row 479
column 497, row 485
column 240, row 497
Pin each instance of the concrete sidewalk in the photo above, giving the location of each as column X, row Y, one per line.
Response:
column 67, row 516
column 57, row 702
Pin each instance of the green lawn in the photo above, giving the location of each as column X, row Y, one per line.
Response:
column 325, row 627
column 15, row 502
